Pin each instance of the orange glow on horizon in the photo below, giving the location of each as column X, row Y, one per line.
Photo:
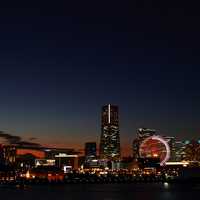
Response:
column 37, row 153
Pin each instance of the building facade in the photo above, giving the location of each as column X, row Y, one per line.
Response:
column 142, row 134
column 180, row 147
column 90, row 149
column 9, row 154
column 110, row 136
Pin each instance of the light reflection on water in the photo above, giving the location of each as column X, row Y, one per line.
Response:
column 140, row 191
column 166, row 185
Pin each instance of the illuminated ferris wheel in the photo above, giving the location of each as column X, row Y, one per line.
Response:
column 155, row 147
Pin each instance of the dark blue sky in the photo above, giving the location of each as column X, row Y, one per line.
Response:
column 60, row 62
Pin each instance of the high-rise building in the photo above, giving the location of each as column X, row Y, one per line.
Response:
column 142, row 134
column 192, row 150
column 90, row 149
column 9, row 154
column 110, row 138
column 91, row 155
column 180, row 150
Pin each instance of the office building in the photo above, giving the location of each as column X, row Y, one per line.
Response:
column 180, row 147
column 142, row 134
column 9, row 154
column 110, row 137
column 90, row 149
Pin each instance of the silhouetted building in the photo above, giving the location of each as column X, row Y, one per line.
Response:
column 90, row 149
column 1, row 155
column 110, row 138
column 9, row 154
column 64, row 158
column 90, row 155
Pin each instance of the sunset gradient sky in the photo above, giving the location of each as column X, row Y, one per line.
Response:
column 60, row 63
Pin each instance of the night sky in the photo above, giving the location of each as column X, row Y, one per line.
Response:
column 61, row 61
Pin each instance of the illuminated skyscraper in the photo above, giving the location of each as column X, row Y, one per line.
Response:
column 110, row 138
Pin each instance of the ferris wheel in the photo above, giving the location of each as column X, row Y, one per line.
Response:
column 155, row 147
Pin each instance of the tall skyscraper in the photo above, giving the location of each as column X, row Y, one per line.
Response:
column 110, row 138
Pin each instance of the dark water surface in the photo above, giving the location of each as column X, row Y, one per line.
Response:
column 104, row 192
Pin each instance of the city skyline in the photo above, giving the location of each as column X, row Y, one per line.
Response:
column 99, row 99
column 126, row 150
column 107, row 119
column 59, row 65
